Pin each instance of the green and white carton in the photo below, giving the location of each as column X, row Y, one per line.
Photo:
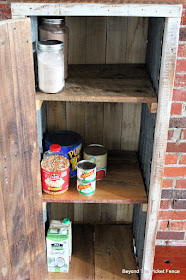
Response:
column 64, row 224
column 58, row 250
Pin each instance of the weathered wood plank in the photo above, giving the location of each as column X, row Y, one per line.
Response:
column 20, row 154
column 56, row 116
column 105, row 83
column 75, row 117
column 95, row 40
column 77, row 39
column 130, row 127
column 94, row 123
column 5, row 262
column 124, row 213
column 99, row 9
column 168, row 61
column 112, row 125
column 116, row 40
column 113, row 252
column 136, row 39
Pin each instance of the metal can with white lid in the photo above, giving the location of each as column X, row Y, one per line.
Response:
column 97, row 154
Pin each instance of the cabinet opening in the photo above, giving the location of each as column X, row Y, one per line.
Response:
column 116, row 59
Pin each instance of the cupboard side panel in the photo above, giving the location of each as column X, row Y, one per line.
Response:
column 20, row 167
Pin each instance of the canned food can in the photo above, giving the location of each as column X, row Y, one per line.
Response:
column 97, row 154
column 86, row 188
column 86, row 171
column 55, row 182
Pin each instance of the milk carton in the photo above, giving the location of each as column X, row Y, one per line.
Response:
column 57, row 250
column 65, row 224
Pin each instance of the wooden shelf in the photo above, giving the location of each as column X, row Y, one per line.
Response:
column 123, row 184
column 127, row 83
column 100, row 252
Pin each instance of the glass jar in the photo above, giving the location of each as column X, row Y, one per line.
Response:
column 54, row 28
column 50, row 58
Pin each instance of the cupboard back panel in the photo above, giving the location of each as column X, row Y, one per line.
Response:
column 101, row 40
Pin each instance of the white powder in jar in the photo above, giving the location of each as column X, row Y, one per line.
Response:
column 51, row 71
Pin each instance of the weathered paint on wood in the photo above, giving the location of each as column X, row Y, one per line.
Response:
column 20, row 191
column 96, row 9
column 113, row 252
column 169, row 52
column 128, row 83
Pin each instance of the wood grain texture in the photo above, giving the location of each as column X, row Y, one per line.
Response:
column 56, row 116
column 112, row 126
column 113, row 252
column 77, row 39
column 136, row 39
column 130, row 127
column 75, row 118
column 19, row 151
column 116, row 40
column 124, row 213
column 108, row 1
column 105, row 83
column 95, row 40
column 121, row 185
column 96, row 9
column 82, row 263
column 100, row 252
column 94, row 123
column 166, row 81
column 5, row 262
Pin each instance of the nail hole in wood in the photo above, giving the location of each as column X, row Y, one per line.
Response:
column 167, row 261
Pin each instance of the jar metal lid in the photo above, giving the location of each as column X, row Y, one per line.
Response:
column 53, row 20
column 50, row 45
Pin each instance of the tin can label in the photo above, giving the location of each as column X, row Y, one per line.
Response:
column 55, row 182
column 86, row 175
column 101, row 164
column 86, row 188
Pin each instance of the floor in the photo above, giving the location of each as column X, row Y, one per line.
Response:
column 170, row 263
column 100, row 252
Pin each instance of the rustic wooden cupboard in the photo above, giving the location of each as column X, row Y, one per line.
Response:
column 118, row 74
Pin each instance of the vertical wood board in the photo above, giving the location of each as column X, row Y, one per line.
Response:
column 77, row 39
column 131, row 121
column 20, row 168
column 116, row 40
column 95, row 40
column 168, row 63
column 113, row 252
column 136, row 39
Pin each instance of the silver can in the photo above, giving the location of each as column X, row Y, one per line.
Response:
column 97, row 154
column 86, row 171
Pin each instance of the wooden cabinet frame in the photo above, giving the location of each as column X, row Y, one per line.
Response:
column 172, row 13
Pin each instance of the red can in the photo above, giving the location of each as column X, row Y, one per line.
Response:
column 55, row 181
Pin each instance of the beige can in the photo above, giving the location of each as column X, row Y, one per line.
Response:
column 98, row 154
